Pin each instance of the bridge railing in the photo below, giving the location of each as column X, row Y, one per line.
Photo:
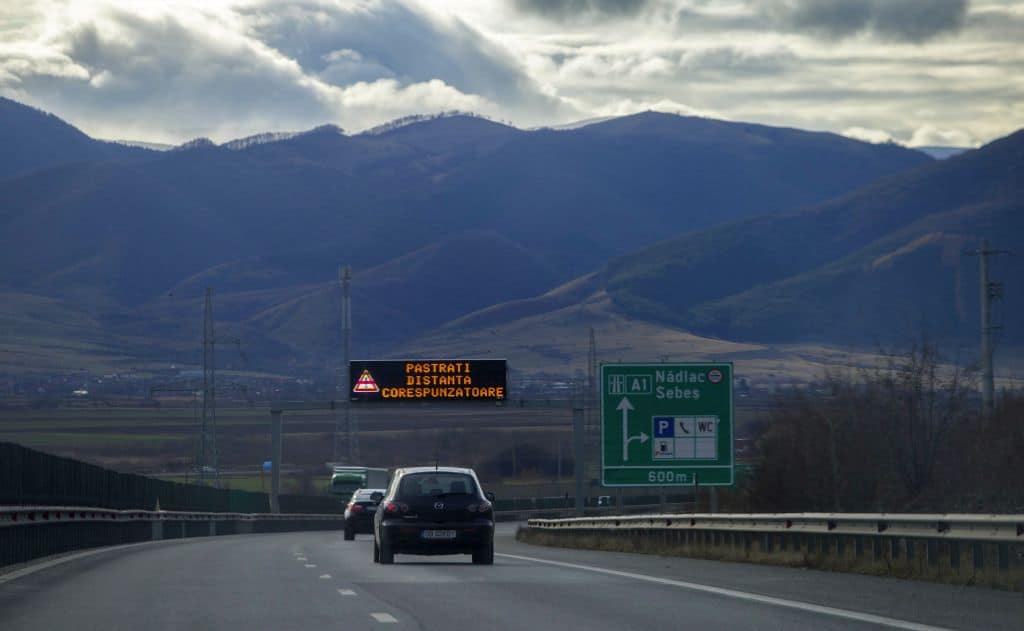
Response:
column 32, row 532
column 959, row 548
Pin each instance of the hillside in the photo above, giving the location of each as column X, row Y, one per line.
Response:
column 33, row 139
column 869, row 266
column 918, row 279
column 440, row 218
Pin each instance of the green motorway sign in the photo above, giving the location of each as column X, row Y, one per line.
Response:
column 666, row 424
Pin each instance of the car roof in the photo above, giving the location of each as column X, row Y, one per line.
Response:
column 405, row 470
column 368, row 491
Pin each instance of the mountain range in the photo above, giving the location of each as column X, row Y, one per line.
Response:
column 455, row 224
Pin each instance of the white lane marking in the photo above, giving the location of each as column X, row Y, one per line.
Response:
column 301, row 559
column 325, row 576
column 732, row 593
column 384, row 617
column 310, row 565
column 347, row 592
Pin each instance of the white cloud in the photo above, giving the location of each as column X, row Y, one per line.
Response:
column 428, row 96
column 167, row 72
column 868, row 135
column 931, row 136
column 624, row 107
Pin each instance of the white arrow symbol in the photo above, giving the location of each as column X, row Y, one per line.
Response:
column 642, row 438
column 625, row 407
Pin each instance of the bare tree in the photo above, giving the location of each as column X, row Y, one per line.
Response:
column 920, row 400
column 869, row 440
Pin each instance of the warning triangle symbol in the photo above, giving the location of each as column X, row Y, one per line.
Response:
column 366, row 383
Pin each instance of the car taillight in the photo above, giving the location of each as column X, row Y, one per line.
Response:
column 396, row 507
column 482, row 507
column 355, row 507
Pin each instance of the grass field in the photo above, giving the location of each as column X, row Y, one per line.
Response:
column 516, row 446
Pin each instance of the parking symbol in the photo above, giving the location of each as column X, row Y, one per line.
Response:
column 663, row 426
column 616, row 384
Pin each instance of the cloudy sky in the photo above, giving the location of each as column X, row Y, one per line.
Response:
column 921, row 72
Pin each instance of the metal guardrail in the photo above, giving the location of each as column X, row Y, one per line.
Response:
column 32, row 532
column 526, row 514
column 993, row 528
column 956, row 548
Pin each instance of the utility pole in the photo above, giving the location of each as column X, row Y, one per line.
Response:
column 208, row 420
column 348, row 425
column 989, row 291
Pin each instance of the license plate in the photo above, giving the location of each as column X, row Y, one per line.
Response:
column 371, row 509
column 438, row 534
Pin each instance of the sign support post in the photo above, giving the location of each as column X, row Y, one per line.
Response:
column 579, row 457
column 275, row 460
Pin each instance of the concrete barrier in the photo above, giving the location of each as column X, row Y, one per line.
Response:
column 965, row 549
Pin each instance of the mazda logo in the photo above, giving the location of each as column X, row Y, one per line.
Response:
column 438, row 505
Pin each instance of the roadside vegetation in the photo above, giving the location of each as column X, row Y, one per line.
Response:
column 905, row 436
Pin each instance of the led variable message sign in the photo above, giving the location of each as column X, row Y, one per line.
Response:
column 428, row 380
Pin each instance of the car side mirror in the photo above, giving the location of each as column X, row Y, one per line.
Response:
column 376, row 497
column 489, row 495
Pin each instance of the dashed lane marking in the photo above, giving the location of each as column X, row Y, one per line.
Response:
column 325, row 576
column 384, row 617
column 733, row 593
column 310, row 565
column 347, row 592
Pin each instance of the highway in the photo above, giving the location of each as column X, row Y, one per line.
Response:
column 318, row 581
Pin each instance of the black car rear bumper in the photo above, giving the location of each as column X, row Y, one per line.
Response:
column 406, row 536
column 360, row 523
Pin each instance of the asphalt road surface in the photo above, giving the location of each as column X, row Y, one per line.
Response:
column 318, row 581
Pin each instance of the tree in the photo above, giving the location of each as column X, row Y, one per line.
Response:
column 869, row 441
column 921, row 401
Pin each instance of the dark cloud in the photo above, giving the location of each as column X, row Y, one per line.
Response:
column 725, row 62
column 996, row 25
column 345, row 43
column 912, row 21
column 565, row 10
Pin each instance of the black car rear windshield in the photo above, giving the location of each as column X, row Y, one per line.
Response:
column 436, row 483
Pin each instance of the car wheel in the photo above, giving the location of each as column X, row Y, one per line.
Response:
column 349, row 535
column 387, row 555
column 484, row 555
column 376, row 552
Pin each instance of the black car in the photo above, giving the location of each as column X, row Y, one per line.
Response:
column 359, row 513
column 434, row 510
